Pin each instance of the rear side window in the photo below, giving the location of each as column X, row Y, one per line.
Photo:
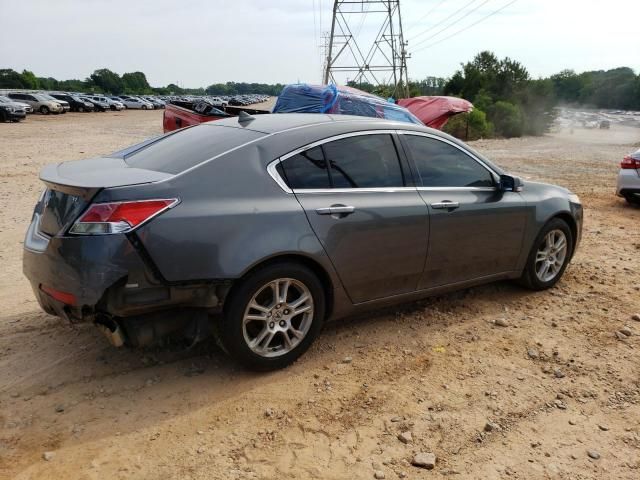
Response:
column 187, row 148
column 307, row 169
column 440, row 164
column 364, row 161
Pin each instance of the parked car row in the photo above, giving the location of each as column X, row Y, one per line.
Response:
column 14, row 106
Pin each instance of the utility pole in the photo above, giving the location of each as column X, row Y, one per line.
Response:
column 379, row 60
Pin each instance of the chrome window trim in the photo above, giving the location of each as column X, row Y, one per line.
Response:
column 463, row 150
column 355, row 190
column 458, row 189
column 271, row 167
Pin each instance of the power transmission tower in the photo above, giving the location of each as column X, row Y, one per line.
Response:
column 384, row 61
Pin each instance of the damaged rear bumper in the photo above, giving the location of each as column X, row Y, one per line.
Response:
column 104, row 275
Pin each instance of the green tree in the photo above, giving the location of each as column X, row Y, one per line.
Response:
column 107, row 81
column 135, row 82
column 11, row 79
column 507, row 119
column 30, row 80
column 470, row 126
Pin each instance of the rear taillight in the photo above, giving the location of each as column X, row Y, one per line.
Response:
column 630, row 162
column 119, row 217
column 64, row 297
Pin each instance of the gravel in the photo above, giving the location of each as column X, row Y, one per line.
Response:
column 593, row 454
column 424, row 460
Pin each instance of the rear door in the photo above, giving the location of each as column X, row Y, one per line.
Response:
column 363, row 207
column 476, row 230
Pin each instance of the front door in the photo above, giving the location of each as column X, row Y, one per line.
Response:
column 476, row 230
column 373, row 227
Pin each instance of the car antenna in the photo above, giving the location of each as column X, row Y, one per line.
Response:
column 244, row 117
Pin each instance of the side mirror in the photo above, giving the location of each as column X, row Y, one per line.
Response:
column 509, row 183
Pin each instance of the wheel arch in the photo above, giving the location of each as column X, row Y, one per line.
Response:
column 312, row 264
column 573, row 226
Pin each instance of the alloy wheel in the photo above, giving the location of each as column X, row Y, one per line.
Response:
column 551, row 255
column 278, row 317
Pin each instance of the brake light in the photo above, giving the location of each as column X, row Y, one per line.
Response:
column 64, row 297
column 119, row 217
column 630, row 162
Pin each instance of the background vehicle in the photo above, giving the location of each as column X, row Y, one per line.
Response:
column 344, row 212
column 179, row 114
column 38, row 102
column 135, row 103
column 76, row 104
column 114, row 105
column 99, row 104
column 629, row 178
column 65, row 105
column 155, row 102
column 12, row 112
column 25, row 106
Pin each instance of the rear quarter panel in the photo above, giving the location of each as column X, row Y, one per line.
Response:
column 232, row 216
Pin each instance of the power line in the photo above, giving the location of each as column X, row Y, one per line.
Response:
column 425, row 15
column 467, row 27
column 442, row 21
column 451, row 24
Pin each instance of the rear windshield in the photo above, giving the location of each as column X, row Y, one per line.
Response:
column 187, row 148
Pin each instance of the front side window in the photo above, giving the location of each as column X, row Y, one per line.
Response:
column 364, row 161
column 440, row 164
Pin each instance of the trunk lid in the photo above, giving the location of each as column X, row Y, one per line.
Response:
column 72, row 185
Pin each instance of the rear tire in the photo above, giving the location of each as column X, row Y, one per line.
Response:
column 265, row 332
column 4, row 116
column 546, row 251
column 632, row 199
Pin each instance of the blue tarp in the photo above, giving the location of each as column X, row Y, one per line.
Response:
column 303, row 98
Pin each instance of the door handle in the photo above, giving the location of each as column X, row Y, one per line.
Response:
column 445, row 205
column 336, row 210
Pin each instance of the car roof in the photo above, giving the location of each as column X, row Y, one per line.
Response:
column 281, row 122
column 305, row 128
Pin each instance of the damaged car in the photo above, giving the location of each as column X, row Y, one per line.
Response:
column 260, row 229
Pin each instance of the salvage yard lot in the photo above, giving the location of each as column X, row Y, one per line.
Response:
column 528, row 397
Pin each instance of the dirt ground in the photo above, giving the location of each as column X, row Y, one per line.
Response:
column 528, row 400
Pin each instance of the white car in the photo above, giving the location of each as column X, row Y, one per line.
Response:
column 135, row 102
column 629, row 178
column 111, row 103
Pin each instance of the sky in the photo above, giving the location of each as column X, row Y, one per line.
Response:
column 196, row 43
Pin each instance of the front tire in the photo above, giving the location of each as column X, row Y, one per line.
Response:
column 272, row 316
column 44, row 110
column 549, row 256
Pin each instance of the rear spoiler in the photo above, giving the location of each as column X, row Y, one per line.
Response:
column 84, row 178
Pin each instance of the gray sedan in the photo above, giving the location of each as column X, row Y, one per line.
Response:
column 258, row 230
